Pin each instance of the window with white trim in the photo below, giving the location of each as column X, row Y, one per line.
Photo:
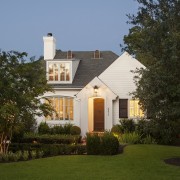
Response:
column 135, row 110
column 59, row 71
column 63, row 106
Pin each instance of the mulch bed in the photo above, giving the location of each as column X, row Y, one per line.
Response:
column 173, row 161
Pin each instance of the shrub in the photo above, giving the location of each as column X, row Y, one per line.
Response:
column 33, row 154
column 54, row 150
column 81, row 149
column 5, row 157
column 57, row 130
column 93, row 144
column 127, row 125
column 105, row 144
column 51, row 139
column 116, row 129
column 39, row 150
column 148, row 140
column 75, row 130
column 130, row 138
column 40, row 153
column 15, row 156
column 25, row 155
column 67, row 128
column 43, row 128
column 109, row 144
column 18, row 133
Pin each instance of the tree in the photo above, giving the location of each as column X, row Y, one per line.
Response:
column 21, row 86
column 155, row 40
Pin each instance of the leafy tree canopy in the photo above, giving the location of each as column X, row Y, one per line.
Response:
column 21, row 86
column 155, row 41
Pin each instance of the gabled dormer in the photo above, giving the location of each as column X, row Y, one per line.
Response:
column 59, row 71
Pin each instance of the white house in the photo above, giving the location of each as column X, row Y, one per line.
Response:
column 91, row 89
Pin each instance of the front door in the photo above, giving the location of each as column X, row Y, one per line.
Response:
column 98, row 114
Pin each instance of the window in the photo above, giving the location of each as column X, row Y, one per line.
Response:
column 123, row 105
column 59, row 71
column 135, row 110
column 63, row 107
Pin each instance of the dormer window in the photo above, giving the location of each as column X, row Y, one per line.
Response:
column 59, row 72
column 97, row 54
column 69, row 55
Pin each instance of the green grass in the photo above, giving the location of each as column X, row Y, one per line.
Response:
column 137, row 162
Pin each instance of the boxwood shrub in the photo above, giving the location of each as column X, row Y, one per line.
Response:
column 106, row 144
column 48, row 149
column 51, row 139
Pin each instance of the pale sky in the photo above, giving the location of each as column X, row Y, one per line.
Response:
column 76, row 24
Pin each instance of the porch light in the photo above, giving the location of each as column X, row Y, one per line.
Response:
column 96, row 89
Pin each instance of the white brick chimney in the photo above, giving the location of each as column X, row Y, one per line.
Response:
column 49, row 46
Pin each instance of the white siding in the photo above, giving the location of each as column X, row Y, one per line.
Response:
column 116, row 112
column 118, row 75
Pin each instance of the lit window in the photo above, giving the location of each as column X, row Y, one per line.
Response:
column 59, row 72
column 135, row 110
column 63, row 107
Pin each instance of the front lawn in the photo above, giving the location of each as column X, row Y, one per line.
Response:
column 137, row 162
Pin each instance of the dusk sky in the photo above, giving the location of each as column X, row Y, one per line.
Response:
column 76, row 24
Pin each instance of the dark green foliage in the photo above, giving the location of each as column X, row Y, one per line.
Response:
column 43, row 128
column 127, row 125
column 105, row 144
column 116, row 129
column 67, row 128
column 18, row 133
column 93, row 144
column 162, row 133
column 20, row 85
column 57, row 130
column 75, row 130
column 81, row 149
column 51, row 139
column 45, row 150
column 109, row 144
column 145, row 127
column 155, row 40
column 54, row 150
column 130, row 138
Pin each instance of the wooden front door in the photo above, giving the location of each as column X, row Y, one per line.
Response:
column 98, row 114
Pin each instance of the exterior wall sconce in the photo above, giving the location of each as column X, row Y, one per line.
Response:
column 96, row 89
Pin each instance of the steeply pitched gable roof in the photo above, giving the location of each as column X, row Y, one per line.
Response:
column 88, row 67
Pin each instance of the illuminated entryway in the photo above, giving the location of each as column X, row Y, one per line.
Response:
column 96, row 113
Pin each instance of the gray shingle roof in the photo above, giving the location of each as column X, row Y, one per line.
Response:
column 88, row 67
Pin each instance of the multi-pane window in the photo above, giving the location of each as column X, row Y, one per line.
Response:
column 63, row 107
column 59, row 71
column 135, row 110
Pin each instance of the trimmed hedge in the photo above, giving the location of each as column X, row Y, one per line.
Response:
column 51, row 139
column 48, row 149
column 43, row 128
column 105, row 144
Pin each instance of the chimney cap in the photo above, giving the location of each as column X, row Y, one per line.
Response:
column 49, row 34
